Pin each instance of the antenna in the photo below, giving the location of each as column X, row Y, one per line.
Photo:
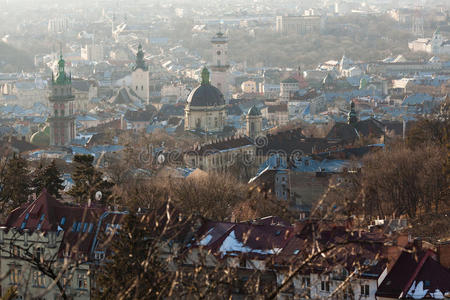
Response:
column 220, row 26
column 417, row 22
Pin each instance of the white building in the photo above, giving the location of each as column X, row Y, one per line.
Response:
column 219, row 67
column 92, row 52
column 437, row 45
column 140, row 77
column 58, row 25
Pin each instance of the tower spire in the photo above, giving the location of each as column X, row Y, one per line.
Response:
column 352, row 117
column 140, row 63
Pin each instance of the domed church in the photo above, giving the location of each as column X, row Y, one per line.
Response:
column 205, row 109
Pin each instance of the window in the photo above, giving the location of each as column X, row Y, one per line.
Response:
column 325, row 286
column 63, row 220
column 85, row 227
column 39, row 253
column 15, row 276
column 242, row 263
column 306, row 282
column 82, row 281
column 91, row 227
column 99, row 255
column 38, row 279
column 365, row 291
column 15, row 251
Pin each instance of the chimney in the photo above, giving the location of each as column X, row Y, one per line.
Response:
column 444, row 254
column 404, row 129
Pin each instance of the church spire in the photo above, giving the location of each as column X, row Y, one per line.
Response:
column 140, row 63
column 61, row 77
column 352, row 118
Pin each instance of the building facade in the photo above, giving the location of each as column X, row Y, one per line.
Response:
column 298, row 24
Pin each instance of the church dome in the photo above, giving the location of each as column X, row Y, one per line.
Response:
column 42, row 137
column 205, row 94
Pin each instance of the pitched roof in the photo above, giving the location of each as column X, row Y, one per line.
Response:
column 222, row 145
column 48, row 214
column 421, row 278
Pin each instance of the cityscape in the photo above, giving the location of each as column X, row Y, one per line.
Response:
column 250, row 149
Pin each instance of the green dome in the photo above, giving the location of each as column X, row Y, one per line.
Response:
column 253, row 111
column 41, row 137
column 362, row 83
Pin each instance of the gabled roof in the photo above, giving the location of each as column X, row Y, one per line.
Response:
column 46, row 214
column 418, row 279
column 242, row 238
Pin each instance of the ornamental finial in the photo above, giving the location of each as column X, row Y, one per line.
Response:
column 205, row 76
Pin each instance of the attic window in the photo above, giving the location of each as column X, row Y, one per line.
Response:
column 42, row 218
column 78, row 226
column 91, row 226
column 27, row 216
column 85, row 227
column 74, row 227
column 23, row 225
column 63, row 220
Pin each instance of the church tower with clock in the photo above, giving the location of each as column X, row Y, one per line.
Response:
column 219, row 66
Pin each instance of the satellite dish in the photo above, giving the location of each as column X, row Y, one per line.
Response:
column 161, row 159
column 98, row 196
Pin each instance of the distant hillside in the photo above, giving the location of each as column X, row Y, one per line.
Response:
column 13, row 59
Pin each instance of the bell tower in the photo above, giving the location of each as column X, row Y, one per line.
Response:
column 62, row 119
column 140, row 77
column 352, row 117
column 254, row 122
column 219, row 66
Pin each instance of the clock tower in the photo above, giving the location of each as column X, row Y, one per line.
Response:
column 219, row 66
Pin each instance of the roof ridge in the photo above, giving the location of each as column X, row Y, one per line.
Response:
column 416, row 271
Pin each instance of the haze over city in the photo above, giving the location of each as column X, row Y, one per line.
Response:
column 225, row 149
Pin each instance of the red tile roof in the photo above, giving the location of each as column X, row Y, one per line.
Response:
column 417, row 275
